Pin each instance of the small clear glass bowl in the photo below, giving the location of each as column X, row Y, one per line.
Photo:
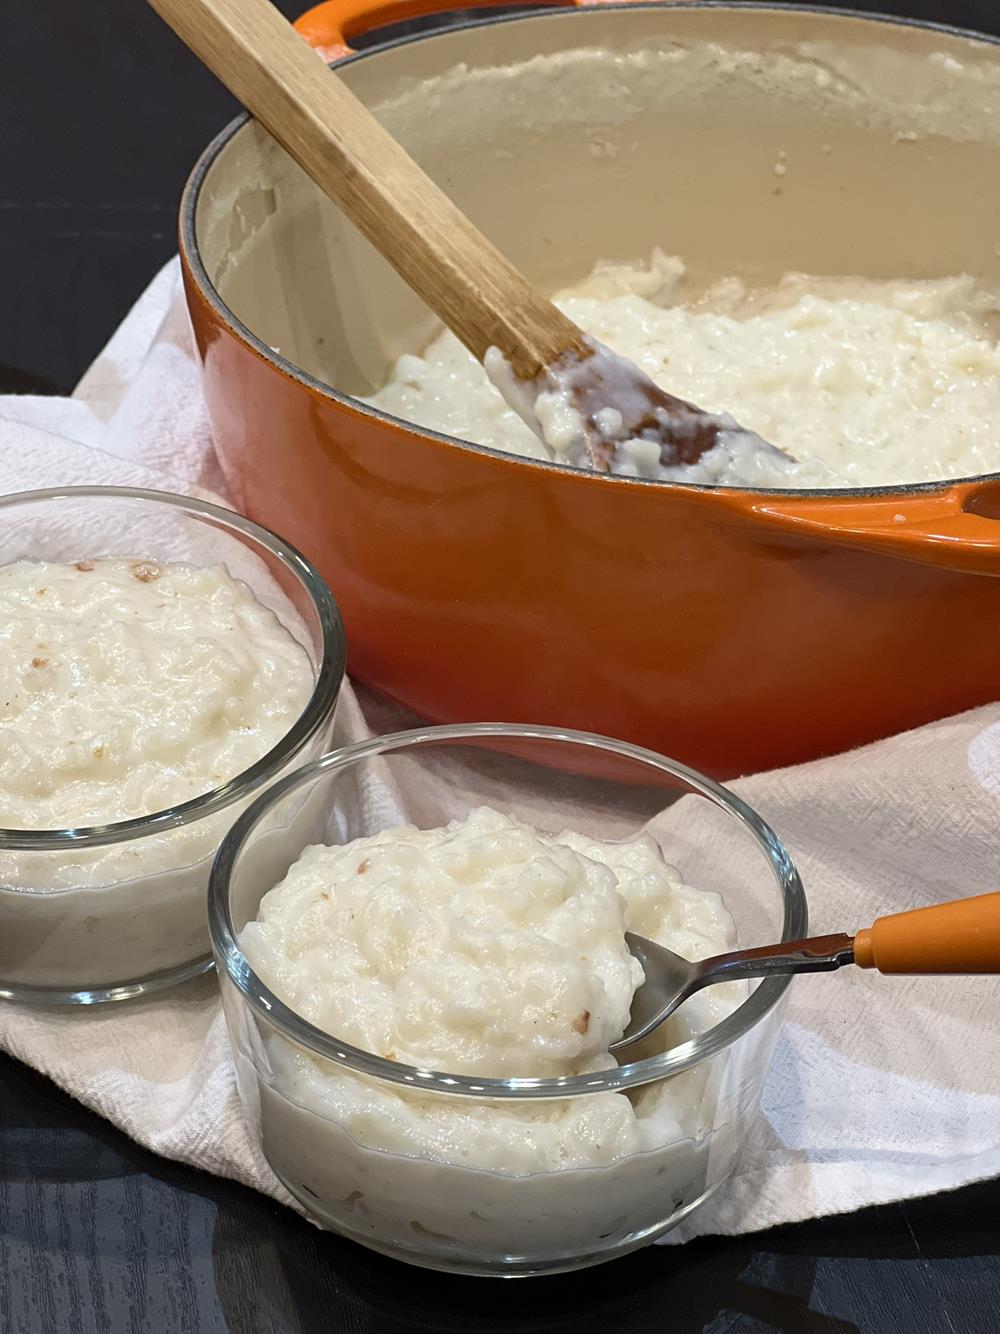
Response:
column 309, row 1094
column 140, row 924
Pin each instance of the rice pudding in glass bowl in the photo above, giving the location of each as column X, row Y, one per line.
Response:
column 420, row 944
column 161, row 660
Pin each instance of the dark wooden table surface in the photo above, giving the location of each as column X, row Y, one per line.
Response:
column 103, row 114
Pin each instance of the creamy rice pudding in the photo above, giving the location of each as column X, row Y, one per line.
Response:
column 864, row 383
column 484, row 947
column 127, row 687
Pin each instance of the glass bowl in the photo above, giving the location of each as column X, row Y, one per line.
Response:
column 442, row 1208
column 135, row 921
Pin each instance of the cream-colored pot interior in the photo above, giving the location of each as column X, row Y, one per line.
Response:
column 601, row 133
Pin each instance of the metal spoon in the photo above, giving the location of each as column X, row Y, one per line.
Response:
column 958, row 937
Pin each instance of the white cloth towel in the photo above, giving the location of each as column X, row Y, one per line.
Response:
column 881, row 1088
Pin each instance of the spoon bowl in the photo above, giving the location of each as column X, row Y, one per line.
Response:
column 672, row 979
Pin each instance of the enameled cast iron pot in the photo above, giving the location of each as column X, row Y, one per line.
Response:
column 733, row 629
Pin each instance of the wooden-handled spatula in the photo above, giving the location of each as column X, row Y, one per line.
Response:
column 464, row 279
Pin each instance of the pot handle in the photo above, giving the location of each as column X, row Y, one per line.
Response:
column 955, row 529
column 328, row 27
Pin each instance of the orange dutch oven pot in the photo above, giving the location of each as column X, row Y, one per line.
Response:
column 736, row 630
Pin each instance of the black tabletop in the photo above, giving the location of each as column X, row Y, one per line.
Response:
column 103, row 113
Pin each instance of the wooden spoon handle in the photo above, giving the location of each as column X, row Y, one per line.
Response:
column 958, row 937
column 337, row 141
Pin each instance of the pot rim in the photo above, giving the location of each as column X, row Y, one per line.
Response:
column 191, row 260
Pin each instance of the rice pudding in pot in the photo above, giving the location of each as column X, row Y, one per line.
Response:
column 863, row 383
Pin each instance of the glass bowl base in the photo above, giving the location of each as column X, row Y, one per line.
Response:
column 498, row 1266
column 99, row 995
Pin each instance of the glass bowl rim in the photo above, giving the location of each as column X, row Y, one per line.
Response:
column 276, row 1014
column 319, row 707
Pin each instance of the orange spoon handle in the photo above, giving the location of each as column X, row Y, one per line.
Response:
column 958, row 937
